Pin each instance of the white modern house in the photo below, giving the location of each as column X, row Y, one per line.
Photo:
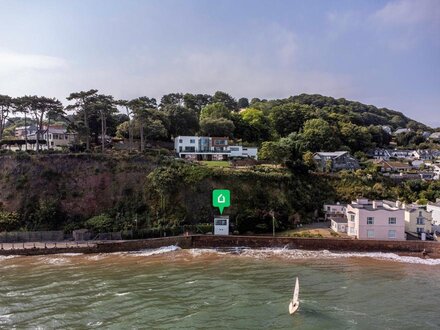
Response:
column 210, row 148
column 375, row 220
column 334, row 210
column 402, row 130
column 338, row 224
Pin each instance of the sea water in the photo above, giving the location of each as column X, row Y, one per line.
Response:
column 170, row 288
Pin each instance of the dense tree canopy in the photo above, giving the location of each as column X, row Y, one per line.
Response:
column 319, row 122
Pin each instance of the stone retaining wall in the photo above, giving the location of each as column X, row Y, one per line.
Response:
column 207, row 241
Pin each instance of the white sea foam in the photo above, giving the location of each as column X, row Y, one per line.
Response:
column 151, row 252
column 199, row 252
column 7, row 257
column 55, row 260
column 122, row 294
column 295, row 254
column 96, row 257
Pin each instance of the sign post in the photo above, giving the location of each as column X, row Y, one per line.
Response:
column 221, row 198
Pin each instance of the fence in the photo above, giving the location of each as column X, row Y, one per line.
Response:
column 31, row 236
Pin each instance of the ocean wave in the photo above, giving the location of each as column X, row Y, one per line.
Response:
column 151, row 252
column 295, row 254
column 69, row 254
column 7, row 257
column 52, row 260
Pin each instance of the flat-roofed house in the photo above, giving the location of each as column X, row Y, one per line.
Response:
column 334, row 210
column 210, row 148
column 338, row 224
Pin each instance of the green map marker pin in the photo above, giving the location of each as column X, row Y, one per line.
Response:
column 221, row 198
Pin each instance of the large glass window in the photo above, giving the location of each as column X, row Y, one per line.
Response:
column 420, row 221
column 370, row 233
column 391, row 234
column 192, row 141
column 352, row 217
column 370, row 221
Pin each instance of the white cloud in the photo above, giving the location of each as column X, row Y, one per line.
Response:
column 287, row 44
column 13, row 61
column 408, row 12
column 260, row 71
column 206, row 71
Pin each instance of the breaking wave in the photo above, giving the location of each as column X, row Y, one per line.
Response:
column 295, row 254
column 151, row 252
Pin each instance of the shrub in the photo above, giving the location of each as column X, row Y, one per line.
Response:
column 9, row 221
column 100, row 223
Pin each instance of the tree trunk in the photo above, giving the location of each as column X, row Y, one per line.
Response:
column 130, row 130
column 37, row 135
column 142, row 136
column 2, row 125
column 102, row 131
column 47, row 132
column 86, row 124
column 25, row 132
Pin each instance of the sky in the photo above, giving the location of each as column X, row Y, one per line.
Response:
column 385, row 53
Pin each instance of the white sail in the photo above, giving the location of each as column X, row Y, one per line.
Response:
column 296, row 292
column 294, row 303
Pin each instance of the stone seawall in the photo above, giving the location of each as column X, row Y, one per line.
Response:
column 209, row 241
column 185, row 242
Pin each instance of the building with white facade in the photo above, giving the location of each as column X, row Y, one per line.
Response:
column 210, row 148
column 57, row 137
column 334, row 210
column 418, row 219
column 375, row 220
column 435, row 209
column 22, row 131
column 338, row 224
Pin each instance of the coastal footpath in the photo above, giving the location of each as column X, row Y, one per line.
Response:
column 256, row 242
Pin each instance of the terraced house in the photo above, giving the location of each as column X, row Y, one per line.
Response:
column 375, row 220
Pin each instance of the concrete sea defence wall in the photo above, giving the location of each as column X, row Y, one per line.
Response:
column 210, row 241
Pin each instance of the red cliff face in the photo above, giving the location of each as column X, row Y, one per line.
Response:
column 85, row 185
